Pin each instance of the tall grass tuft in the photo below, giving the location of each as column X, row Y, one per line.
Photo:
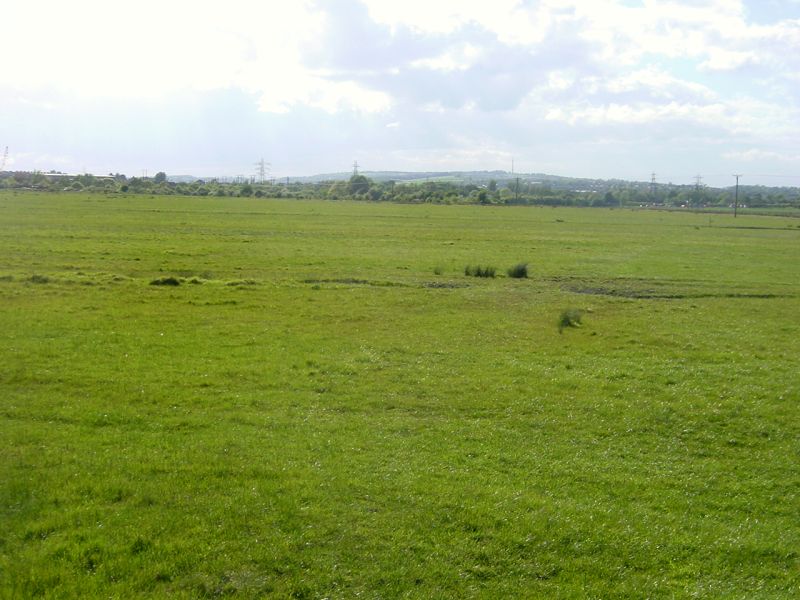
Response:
column 478, row 271
column 518, row 271
column 166, row 281
column 570, row 317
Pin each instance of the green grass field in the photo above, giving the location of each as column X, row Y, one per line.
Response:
column 327, row 407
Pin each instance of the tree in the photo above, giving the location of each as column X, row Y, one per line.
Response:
column 160, row 177
column 337, row 190
column 358, row 184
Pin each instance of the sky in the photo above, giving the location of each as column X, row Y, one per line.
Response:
column 612, row 89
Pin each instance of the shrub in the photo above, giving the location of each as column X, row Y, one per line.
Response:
column 519, row 271
column 165, row 281
column 479, row 271
column 570, row 317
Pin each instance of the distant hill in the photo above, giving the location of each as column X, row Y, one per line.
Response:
column 472, row 177
column 482, row 178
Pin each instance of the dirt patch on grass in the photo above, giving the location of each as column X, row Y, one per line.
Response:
column 353, row 281
column 447, row 285
column 658, row 289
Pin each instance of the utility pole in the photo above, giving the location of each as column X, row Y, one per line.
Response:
column 355, row 168
column 736, row 195
column 698, row 187
column 652, row 185
column 263, row 167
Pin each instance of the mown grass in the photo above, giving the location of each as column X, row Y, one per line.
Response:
column 323, row 416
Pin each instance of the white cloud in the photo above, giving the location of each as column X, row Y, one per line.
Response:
column 507, row 18
column 755, row 154
column 658, row 82
column 720, row 59
column 324, row 94
column 160, row 48
column 458, row 58
column 623, row 114
column 562, row 69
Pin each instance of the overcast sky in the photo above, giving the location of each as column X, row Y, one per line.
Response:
column 594, row 88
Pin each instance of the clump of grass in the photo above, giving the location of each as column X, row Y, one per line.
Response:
column 519, row 271
column 39, row 279
column 570, row 317
column 478, row 271
column 166, row 281
column 438, row 270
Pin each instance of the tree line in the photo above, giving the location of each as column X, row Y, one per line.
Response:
column 359, row 187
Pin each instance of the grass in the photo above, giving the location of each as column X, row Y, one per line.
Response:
column 324, row 417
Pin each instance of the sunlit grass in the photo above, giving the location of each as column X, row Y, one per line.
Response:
column 327, row 406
